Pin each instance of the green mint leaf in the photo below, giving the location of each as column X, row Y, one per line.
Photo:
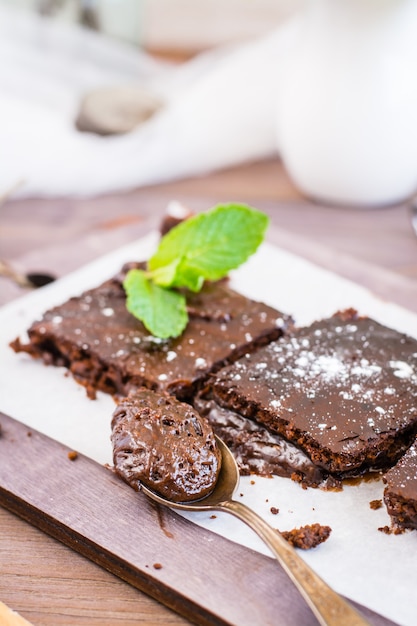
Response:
column 191, row 279
column 162, row 311
column 207, row 246
column 165, row 275
column 204, row 247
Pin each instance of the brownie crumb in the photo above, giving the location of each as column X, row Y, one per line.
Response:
column 308, row 536
column 375, row 504
column 391, row 530
column 274, row 510
column 72, row 455
column 157, row 566
column 29, row 433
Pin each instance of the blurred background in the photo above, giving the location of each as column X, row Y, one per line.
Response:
column 108, row 66
column 173, row 28
column 203, row 85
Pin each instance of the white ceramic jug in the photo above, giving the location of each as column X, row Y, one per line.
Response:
column 347, row 106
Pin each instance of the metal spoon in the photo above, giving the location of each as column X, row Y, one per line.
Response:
column 32, row 280
column 329, row 608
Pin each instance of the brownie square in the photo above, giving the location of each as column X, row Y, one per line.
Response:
column 400, row 493
column 108, row 349
column 343, row 390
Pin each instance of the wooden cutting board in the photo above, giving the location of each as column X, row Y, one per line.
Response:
column 201, row 575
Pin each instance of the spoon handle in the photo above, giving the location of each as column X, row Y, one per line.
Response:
column 329, row 608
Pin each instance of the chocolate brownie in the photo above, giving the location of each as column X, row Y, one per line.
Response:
column 400, row 493
column 108, row 349
column 343, row 390
column 164, row 444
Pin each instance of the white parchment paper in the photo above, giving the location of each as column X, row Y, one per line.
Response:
column 373, row 568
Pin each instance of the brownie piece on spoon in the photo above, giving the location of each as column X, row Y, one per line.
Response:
column 164, row 444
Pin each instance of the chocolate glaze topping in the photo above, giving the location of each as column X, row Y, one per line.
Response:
column 164, row 444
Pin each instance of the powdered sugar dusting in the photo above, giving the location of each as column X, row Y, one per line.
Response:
column 402, row 369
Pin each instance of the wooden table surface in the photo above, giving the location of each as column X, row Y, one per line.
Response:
column 49, row 584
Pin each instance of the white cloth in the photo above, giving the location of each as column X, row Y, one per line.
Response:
column 220, row 109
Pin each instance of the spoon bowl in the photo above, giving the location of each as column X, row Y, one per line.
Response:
column 329, row 608
column 223, row 491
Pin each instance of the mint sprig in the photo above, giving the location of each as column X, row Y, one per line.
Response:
column 162, row 311
column 204, row 247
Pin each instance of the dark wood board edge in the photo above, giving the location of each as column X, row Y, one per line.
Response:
column 204, row 577
column 107, row 560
